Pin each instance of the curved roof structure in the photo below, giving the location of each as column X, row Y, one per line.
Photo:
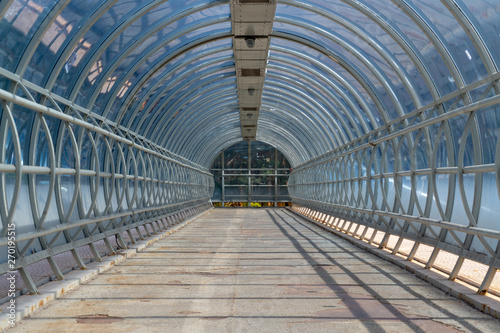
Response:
column 336, row 69
column 112, row 111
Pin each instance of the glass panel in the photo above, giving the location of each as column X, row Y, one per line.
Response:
column 237, row 156
column 354, row 64
column 340, row 73
column 108, row 22
column 57, row 37
column 189, row 102
column 168, row 78
column 166, row 36
column 354, row 45
column 454, row 37
column 484, row 16
column 16, row 33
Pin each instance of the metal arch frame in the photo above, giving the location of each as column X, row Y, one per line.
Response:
column 187, row 99
column 344, row 82
column 291, row 138
column 428, row 85
column 202, row 154
column 140, row 59
column 73, row 40
column 347, row 113
column 153, row 127
column 368, row 62
column 358, row 76
column 222, row 103
column 270, row 120
column 374, row 92
column 395, row 35
column 37, row 37
column 91, row 120
column 214, row 152
column 161, row 78
column 161, row 81
column 271, row 100
column 162, row 106
column 351, row 26
column 125, row 23
column 393, row 31
column 89, row 20
column 231, row 134
column 165, row 136
column 215, row 85
column 162, row 61
column 153, row 101
column 300, row 111
column 273, row 82
column 159, row 94
column 472, row 31
column 373, row 68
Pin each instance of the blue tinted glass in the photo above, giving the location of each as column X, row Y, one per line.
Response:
column 201, row 91
column 193, row 57
column 129, row 76
column 454, row 37
column 484, row 15
column 399, row 20
column 355, row 65
column 20, row 22
column 93, row 39
column 351, row 44
column 135, row 42
column 342, row 77
column 334, row 112
column 56, row 38
column 175, row 93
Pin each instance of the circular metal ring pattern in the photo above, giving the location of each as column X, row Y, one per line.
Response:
column 387, row 119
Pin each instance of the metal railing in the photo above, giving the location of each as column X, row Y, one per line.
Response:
column 70, row 178
column 432, row 176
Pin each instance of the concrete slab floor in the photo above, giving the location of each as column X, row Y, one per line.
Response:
column 256, row 270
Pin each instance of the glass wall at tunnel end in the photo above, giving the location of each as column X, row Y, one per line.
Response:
column 250, row 174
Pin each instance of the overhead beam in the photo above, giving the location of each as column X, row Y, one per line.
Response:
column 252, row 23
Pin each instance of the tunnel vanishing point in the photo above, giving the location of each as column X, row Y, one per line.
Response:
column 376, row 120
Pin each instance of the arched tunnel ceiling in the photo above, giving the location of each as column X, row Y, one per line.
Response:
column 336, row 69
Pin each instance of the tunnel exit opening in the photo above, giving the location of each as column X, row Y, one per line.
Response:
column 251, row 174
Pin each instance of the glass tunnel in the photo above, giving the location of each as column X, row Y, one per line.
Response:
column 116, row 116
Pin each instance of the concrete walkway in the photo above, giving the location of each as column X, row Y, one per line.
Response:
column 256, row 270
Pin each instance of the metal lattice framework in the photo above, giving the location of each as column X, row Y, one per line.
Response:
column 421, row 178
column 388, row 111
column 84, row 182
